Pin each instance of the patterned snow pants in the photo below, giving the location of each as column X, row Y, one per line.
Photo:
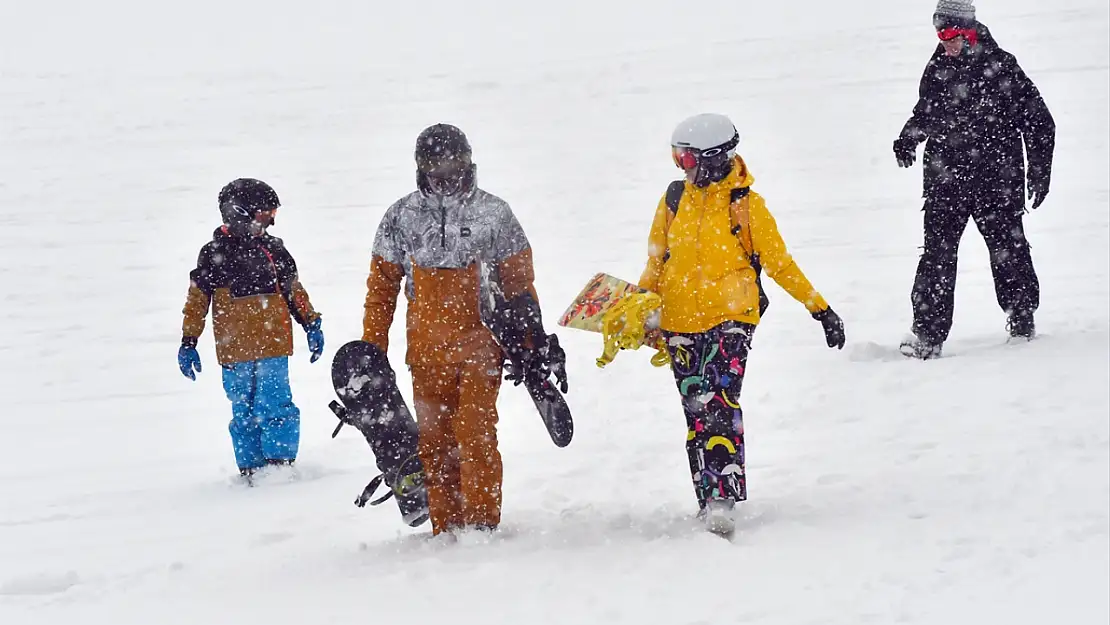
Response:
column 709, row 370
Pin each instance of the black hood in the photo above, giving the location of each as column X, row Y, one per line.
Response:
column 986, row 39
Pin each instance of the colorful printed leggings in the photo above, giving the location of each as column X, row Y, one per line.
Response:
column 709, row 369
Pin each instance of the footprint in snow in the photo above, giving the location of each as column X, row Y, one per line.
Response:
column 40, row 584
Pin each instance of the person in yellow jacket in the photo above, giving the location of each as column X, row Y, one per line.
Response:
column 710, row 239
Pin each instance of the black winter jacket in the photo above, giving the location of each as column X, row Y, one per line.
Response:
column 974, row 110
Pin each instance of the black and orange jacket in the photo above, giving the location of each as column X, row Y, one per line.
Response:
column 252, row 287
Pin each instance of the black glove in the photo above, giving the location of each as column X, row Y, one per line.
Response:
column 1038, row 187
column 555, row 360
column 905, row 150
column 833, row 326
column 546, row 359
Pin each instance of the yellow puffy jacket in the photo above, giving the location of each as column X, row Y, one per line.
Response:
column 700, row 268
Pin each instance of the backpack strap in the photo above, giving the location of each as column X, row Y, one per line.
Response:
column 740, row 213
column 740, row 216
column 674, row 195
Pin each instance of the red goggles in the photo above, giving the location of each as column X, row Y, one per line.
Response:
column 684, row 158
column 687, row 158
column 948, row 34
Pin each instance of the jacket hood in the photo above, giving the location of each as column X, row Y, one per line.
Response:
column 986, row 39
column 740, row 176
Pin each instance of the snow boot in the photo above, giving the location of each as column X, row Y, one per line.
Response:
column 722, row 491
column 914, row 346
column 1021, row 327
column 719, row 516
column 246, row 476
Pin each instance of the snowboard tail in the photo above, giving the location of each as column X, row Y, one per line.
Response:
column 552, row 407
column 599, row 295
column 370, row 401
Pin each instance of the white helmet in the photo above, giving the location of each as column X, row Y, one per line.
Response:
column 706, row 131
column 704, row 146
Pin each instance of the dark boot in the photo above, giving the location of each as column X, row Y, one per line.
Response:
column 1021, row 326
column 914, row 346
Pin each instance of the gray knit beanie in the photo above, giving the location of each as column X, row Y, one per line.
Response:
column 954, row 13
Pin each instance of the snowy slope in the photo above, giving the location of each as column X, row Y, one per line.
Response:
column 972, row 489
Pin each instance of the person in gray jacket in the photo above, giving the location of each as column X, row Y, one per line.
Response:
column 467, row 267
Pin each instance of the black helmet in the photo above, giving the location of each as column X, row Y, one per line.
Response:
column 443, row 161
column 242, row 199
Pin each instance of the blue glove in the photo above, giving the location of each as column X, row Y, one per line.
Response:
column 188, row 358
column 315, row 339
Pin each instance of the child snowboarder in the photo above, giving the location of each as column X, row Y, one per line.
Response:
column 710, row 237
column 250, row 281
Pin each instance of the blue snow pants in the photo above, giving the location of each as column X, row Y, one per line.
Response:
column 265, row 424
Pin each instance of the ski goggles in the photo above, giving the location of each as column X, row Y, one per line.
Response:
column 447, row 182
column 688, row 158
column 249, row 212
column 265, row 217
column 948, row 34
column 444, row 185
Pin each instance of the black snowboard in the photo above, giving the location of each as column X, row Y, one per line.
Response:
column 510, row 322
column 552, row 407
column 372, row 403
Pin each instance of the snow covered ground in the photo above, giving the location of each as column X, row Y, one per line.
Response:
column 972, row 489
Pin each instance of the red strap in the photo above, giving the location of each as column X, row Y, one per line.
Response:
column 277, row 279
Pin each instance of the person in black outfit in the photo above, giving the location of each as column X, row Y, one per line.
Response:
column 976, row 108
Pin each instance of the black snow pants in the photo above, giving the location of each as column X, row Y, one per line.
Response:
column 709, row 370
column 999, row 219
